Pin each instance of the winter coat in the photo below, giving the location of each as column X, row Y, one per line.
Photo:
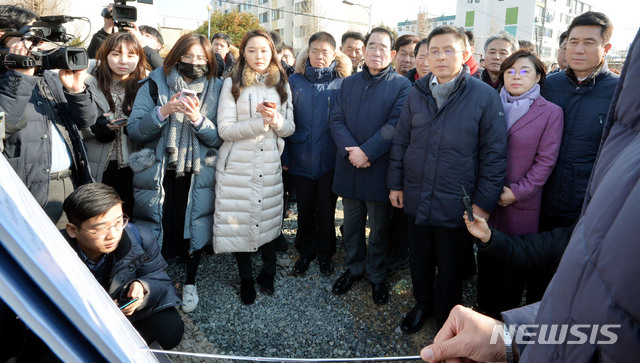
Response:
column 411, row 75
column 597, row 279
column 436, row 151
column 149, row 164
column 365, row 115
column 310, row 152
column 138, row 258
column 28, row 119
column 98, row 138
column 532, row 150
column 585, row 110
column 249, row 204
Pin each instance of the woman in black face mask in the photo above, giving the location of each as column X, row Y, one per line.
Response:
column 174, row 117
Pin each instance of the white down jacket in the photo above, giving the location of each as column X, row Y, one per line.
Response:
column 248, row 207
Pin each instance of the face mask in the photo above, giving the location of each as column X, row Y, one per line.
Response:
column 192, row 71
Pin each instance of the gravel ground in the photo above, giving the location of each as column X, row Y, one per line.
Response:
column 303, row 319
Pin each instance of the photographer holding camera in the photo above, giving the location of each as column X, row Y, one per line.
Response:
column 43, row 111
column 123, row 18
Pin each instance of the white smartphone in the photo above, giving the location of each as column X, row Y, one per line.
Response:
column 187, row 93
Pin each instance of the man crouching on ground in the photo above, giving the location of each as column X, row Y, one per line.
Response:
column 127, row 265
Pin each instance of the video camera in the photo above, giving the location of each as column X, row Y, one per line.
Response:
column 123, row 15
column 48, row 29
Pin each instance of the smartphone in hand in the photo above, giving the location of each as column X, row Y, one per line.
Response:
column 120, row 121
column 269, row 104
column 187, row 93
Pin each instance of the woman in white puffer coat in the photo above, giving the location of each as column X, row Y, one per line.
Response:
column 255, row 113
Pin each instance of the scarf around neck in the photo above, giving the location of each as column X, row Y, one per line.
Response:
column 183, row 147
column 517, row 106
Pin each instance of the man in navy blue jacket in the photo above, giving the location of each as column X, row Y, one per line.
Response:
column 311, row 153
column 362, row 124
column 451, row 134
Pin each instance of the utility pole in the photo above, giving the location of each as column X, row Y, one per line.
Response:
column 544, row 19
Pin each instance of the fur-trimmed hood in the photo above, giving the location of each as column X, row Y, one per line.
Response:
column 249, row 77
column 344, row 67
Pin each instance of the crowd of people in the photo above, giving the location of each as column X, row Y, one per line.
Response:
column 144, row 156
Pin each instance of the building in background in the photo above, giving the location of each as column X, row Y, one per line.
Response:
column 423, row 25
column 538, row 21
column 297, row 20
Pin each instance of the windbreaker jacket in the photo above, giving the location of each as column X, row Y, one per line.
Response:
column 138, row 258
column 365, row 115
column 249, row 204
column 28, row 120
column 437, row 151
column 149, row 163
column 310, row 152
column 585, row 110
column 597, row 280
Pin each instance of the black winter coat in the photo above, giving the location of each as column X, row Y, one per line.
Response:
column 365, row 114
column 585, row 110
column 138, row 258
column 29, row 117
column 436, row 150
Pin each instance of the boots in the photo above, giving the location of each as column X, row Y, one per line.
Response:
column 247, row 291
column 265, row 281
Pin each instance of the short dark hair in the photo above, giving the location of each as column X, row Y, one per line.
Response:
column 447, row 29
column 352, row 35
column 380, row 29
column 323, row 37
column 470, row 37
column 90, row 200
column 277, row 41
column 406, row 40
column 524, row 53
column 562, row 38
column 223, row 36
column 15, row 17
column 418, row 45
column 594, row 18
column 153, row 32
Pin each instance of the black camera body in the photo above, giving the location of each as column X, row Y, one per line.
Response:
column 48, row 28
column 123, row 15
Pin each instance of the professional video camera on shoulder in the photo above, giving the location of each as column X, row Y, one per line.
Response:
column 123, row 15
column 49, row 30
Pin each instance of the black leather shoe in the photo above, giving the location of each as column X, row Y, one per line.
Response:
column 344, row 283
column 414, row 320
column 326, row 267
column 379, row 293
column 301, row 266
column 265, row 281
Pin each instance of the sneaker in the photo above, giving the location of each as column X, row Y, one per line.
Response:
column 189, row 298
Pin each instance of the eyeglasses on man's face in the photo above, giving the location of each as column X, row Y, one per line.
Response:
column 103, row 231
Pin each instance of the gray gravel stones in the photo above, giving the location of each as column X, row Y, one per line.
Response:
column 303, row 319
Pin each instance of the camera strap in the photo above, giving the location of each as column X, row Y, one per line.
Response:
column 19, row 61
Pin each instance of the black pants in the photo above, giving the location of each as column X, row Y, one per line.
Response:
column 316, row 235
column 122, row 181
column 398, row 241
column 268, row 252
column 59, row 190
column 441, row 247
column 166, row 327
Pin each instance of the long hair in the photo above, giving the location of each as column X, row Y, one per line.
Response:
column 237, row 79
column 182, row 47
column 103, row 73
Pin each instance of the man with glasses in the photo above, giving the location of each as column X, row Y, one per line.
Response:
column 362, row 124
column 451, row 135
column 496, row 49
column 311, row 153
column 125, row 260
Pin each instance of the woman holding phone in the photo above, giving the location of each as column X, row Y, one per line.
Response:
column 121, row 65
column 174, row 173
column 534, row 127
column 254, row 116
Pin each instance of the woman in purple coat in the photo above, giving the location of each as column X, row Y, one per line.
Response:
column 535, row 132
